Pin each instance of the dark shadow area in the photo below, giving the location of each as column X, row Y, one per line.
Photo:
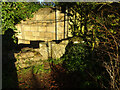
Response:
column 24, row 45
column 33, row 44
column 57, row 41
column 9, row 72
column 34, row 81
column 38, row 81
column 67, row 80
column 78, row 71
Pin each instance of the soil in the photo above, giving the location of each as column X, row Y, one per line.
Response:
column 58, row 78
column 43, row 80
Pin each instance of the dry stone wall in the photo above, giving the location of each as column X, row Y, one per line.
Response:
column 28, row 57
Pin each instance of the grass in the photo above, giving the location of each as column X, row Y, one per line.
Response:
column 37, row 69
column 55, row 61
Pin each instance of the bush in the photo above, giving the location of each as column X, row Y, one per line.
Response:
column 75, row 57
column 81, row 59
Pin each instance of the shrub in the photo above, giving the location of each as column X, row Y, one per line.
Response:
column 75, row 57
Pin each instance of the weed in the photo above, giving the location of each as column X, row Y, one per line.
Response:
column 38, row 68
column 55, row 61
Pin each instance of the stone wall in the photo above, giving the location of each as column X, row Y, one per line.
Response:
column 43, row 26
column 28, row 57
column 52, row 49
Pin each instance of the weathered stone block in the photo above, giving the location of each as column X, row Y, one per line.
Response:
column 34, row 28
column 60, row 36
column 58, row 50
column 23, row 41
column 27, row 42
column 42, row 29
column 51, row 17
column 35, row 33
column 30, row 37
column 39, row 17
column 43, row 39
column 26, row 28
column 20, row 41
column 49, row 35
column 28, row 33
column 61, row 30
column 42, row 34
column 54, row 36
column 37, row 38
column 43, row 50
column 51, row 29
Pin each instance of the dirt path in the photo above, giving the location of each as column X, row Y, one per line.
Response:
column 46, row 76
column 57, row 78
column 46, row 80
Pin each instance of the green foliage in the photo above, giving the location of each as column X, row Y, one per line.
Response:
column 38, row 68
column 98, row 25
column 14, row 12
column 75, row 57
column 78, row 58
column 56, row 61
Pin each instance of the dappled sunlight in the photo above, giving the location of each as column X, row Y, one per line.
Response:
column 79, row 47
